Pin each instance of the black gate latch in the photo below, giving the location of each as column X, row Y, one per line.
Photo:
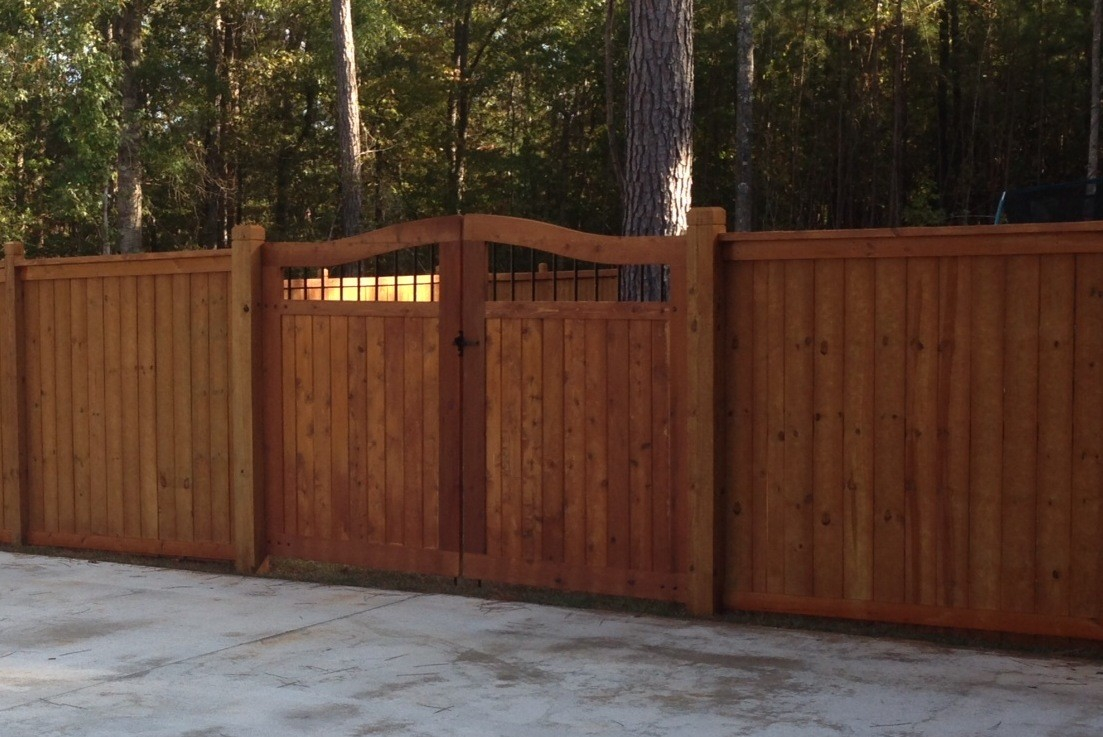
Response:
column 461, row 342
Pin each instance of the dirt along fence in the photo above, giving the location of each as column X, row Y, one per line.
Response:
column 901, row 426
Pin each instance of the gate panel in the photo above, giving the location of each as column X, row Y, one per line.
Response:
column 354, row 387
column 579, row 393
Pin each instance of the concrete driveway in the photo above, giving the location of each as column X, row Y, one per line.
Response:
column 108, row 650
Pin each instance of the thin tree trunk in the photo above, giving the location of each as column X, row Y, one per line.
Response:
column 896, row 177
column 348, row 118
column 459, row 106
column 610, row 97
column 129, row 162
column 744, row 115
column 1093, row 133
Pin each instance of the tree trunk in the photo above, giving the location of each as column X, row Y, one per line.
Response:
column 129, row 162
column 610, row 96
column 896, row 176
column 744, row 115
column 459, row 106
column 348, row 117
column 1093, row 133
column 659, row 160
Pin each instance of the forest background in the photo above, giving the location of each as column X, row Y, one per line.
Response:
column 866, row 113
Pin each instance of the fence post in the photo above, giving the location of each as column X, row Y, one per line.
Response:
column 12, row 395
column 245, row 398
column 705, row 224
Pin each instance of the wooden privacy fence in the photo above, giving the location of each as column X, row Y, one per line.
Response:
column 896, row 426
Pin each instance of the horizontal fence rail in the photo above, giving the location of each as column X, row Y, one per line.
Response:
column 901, row 426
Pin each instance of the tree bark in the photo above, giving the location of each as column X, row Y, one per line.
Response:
column 659, row 160
column 1093, row 133
column 459, row 106
column 896, row 176
column 129, row 162
column 348, row 118
column 744, row 115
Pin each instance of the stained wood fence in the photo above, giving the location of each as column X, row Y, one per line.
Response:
column 894, row 426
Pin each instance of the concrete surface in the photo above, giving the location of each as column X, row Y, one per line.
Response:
column 109, row 650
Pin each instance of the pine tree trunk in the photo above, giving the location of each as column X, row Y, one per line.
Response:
column 129, row 162
column 744, row 115
column 659, row 160
column 896, row 176
column 348, row 117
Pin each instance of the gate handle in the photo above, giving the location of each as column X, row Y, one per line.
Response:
column 461, row 342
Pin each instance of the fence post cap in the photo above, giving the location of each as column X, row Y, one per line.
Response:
column 13, row 248
column 706, row 216
column 247, row 232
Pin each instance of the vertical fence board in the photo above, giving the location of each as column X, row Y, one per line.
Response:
column 305, row 399
column 97, row 435
column 413, row 507
column 1055, row 394
column 890, row 357
column 394, row 429
column 113, row 408
column 1020, row 459
column 828, row 351
column 760, row 429
column 430, row 468
column 129, row 386
column 986, row 432
column 663, row 521
column 166, row 382
column 200, row 406
column 63, row 341
column 640, row 445
column 620, row 509
column 597, row 450
column 376, row 431
column 737, row 468
column 495, row 381
column 32, row 318
column 797, row 386
column 358, row 428
column 552, row 479
column 574, row 441
column 922, row 502
column 511, row 391
column 323, row 428
column 1086, row 550
column 953, row 427
column 777, row 511
column 218, row 335
column 182, row 484
column 290, row 389
column 149, row 487
column 341, row 409
column 82, row 464
column 47, row 299
column 859, row 429
column 532, row 438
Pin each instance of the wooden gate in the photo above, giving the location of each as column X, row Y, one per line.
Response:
column 467, row 396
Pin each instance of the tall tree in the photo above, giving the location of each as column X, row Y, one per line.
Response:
column 1093, row 131
column 129, row 196
column 348, row 117
column 659, row 161
column 744, row 115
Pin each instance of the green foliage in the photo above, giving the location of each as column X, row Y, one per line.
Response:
column 239, row 100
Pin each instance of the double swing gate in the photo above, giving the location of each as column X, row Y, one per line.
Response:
column 470, row 396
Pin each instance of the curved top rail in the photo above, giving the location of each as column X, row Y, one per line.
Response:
column 443, row 229
column 607, row 249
